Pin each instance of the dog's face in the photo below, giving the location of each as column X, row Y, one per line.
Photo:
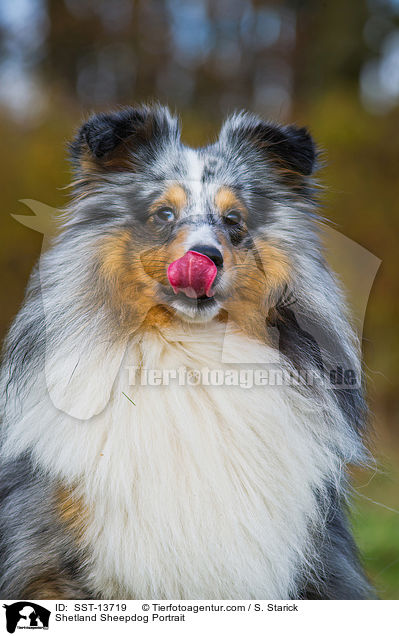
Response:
column 185, row 234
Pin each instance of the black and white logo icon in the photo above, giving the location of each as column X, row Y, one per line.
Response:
column 26, row 615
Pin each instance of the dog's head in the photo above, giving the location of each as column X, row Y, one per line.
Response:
column 186, row 234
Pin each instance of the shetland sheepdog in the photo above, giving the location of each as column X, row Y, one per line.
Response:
column 135, row 463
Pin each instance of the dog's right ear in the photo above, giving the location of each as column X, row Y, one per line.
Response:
column 121, row 140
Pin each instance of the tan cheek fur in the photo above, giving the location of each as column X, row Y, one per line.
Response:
column 259, row 276
column 131, row 275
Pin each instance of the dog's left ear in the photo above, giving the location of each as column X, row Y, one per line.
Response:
column 289, row 145
column 120, row 140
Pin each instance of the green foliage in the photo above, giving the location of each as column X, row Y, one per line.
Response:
column 375, row 521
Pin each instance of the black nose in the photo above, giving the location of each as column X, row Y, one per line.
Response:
column 211, row 252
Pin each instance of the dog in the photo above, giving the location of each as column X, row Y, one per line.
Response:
column 171, row 261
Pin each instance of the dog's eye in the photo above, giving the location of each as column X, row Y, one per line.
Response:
column 164, row 215
column 233, row 218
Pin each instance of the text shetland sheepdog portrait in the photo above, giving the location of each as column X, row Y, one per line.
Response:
column 176, row 258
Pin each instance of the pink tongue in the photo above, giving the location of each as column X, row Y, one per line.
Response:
column 193, row 274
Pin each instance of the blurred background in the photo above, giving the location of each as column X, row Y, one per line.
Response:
column 333, row 66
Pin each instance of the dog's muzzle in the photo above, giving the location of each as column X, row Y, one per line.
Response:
column 194, row 273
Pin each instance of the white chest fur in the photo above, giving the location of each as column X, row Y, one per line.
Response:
column 194, row 491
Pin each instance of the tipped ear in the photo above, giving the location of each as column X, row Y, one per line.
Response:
column 290, row 145
column 118, row 139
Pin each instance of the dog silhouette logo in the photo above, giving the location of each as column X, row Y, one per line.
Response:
column 26, row 615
